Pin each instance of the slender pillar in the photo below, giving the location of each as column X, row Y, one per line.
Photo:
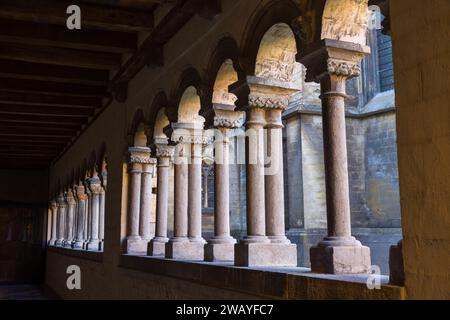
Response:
column 87, row 222
column 146, row 200
column 81, row 217
column 101, row 223
column 339, row 252
column 157, row 245
column 138, row 157
column 205, row 187
column 266, row 243
column 221, row 246
column 62, row 208
column 70, row 218
column 176, row 247
column 274, row 181
column 54, row 211
column 195, row 194
column 96, row 188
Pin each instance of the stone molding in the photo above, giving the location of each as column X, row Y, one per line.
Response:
column 191, row 139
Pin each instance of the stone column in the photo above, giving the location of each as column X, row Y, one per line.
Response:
column 177, row 247
column 54, row 211
column 157, row 246
column 70, row 218
column 195, row 193
column 266, row 243
column 138, row 156
column 81, row 217
column 88, row 214
column 205, row 174
column 339, row 252
column 146, row 201
column 96, row 188
column 101, row 222
column 221, row 246
column 62, row 208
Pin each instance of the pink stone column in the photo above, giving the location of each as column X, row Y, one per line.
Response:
column 70, row 218
column 256, row 224
column 146, row 200
column 81, row 217
column 221, row 246
column 274, row 180
column 53, row 208
column 195, row 195
column 95, row 188
column 62, row 208
column 181, row 195
column 339, row 252
column 157, row 245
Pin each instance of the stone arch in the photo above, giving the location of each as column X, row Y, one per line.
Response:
column 226, row 76
column 189, row 91
column 189, row 107
column 345, row 20
column 161, row 122
column 136, row 132
column 276, row 54
column 158, row 106
column 276, row 12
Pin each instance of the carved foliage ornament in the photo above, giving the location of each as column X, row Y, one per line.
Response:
column 343, row 68
column 224, row 122
column 138, row 155
column 163, row 151
column 268, row 102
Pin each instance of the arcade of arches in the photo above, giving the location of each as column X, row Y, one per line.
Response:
column 271, row 154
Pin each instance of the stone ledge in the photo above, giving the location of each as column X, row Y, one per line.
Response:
column 96, row 256
column 271, row 283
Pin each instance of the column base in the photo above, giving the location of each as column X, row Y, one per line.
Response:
column 93, row 245
column 219, row 251
column 59, row 242
column 77, row 245
column 52, row 242
column 265, row 255
column 101, row 245
column 157, row 247
column 185, row 250
column 396, row 269
column 351, row 259
column 136, row 246
column 67, row 244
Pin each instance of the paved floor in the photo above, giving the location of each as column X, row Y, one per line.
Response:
column 25, row 292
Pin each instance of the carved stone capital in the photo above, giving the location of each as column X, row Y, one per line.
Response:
column 52, row 204
column 269, row 93
column 81, row 194
column 139, row 155
column 191, row 139
column 228, row 119
column 348, row 69
column 95, row 185
column 61, row 200
column 164, row 151
column 70, row 198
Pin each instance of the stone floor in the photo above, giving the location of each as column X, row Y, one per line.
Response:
column 25, row 292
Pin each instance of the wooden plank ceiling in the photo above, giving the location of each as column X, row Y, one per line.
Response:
column 54, row 81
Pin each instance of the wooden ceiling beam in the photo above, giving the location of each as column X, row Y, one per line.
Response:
column 47, row 100
column 51, row 88
column 93, row 16
column 46, row 72
column 31, row 33
column 59, row 56
column 45, row 110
